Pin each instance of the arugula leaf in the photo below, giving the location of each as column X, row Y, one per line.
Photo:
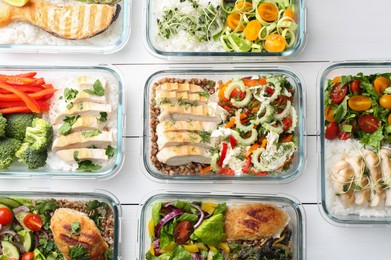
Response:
column 88, row 166
column 70, row 94
column 110, row 151
column 66, row 128
column 91, row 133
column 78, row 253
column 103, row 117
column 75, row 226
column 97, row 90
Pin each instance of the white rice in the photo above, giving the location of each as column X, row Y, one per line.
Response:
column 57, row 106
column 334, row 151
column 181, row 42
column 22, row 33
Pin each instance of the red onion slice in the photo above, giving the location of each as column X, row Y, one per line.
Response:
column 156, row 246
column 201, row 218
column 168, row 217
column 11, row 232
column 21, row 248
column 20, row 208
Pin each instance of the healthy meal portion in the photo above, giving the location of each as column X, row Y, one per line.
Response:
column 42, row 21
column 357, row 147
column 243, row 126
column 69, row 125
column 207, row 230
column 55, row 229
column 222, row 25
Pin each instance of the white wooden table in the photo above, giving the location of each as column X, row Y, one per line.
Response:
column 337, row 30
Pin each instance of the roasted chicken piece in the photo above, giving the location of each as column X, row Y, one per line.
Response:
column 373, row 164
column 342, row 175
column 361, row 190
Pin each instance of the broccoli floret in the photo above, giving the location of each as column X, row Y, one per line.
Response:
column 8, row 148
column 39, row 135
column 3, row 124
column 17, row 124
column 32, row 158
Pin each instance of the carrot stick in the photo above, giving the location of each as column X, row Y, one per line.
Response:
column 252, row 149
column 287, row 139
column 206, row 170
column 231, row 123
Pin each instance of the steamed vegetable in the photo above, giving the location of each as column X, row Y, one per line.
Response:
column 17, row 125
column 8, row 148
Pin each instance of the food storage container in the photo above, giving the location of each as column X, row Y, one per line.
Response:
column 361, row 208
column 112, row 231
column 61, row 76
column 223, row 75
column 293, row 208
column 186, row 47
column 25, row 38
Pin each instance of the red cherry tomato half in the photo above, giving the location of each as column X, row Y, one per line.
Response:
column 331, row 131
column 355, row 87
column 5, row 216
column 33, row 222
column 343, row 135
column 28, row 256
column 368, row 123
column 338, row 93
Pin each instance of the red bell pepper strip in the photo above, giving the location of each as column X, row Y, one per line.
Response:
column 233, row 141
column 23, row 75
column 41, row 95
column 25, row 89
column 13, row 110
column 48, row 96
column 248, row 164
column 30, row 102
column 20, row 81
column 45, row 107
column 226, row 171
column 223, row 154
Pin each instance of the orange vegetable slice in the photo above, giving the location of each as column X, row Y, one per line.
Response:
column 252, row 30
column 275, row 43
column 233, row 21
column 268, row 11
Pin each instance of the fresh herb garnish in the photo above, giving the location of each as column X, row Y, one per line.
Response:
column 70, row 105
column 96, row 211
column 70, row 94
column 110, row 151
column 80, row 106
column 75, row 226
column 97, row 90
column 103, row 117
column 78, row 253
column 66, row 128
column 91, row 133
column 88, row 166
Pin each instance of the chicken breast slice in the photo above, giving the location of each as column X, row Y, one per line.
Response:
column 342, row 175
column 373, row 164
column 185, row 113
column 385, row 155
column 87, row 123
column 201, row 139
column 179, row 87
column 174, row 126
column 77, row 140
column 86, row 97
column 183, row 154
column 174, row 97
column 68, row 155
column 84, row 109
column 89, row 235
column 362, row 189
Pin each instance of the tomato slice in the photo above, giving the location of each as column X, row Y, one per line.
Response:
column 287, row 123
column 28, row 256
column 355, row 87
column 233, row 141
column 248, row 164
column 226, row 171
column 331, row 131
column 33, row 222
column 5, row 216
column 338, row 93
column 342, row 135
column 368, row 123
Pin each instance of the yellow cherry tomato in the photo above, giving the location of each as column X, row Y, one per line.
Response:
column 268, row 11
column 385, row 101
column 329, row 114
column 336, row 79
column 243, row 6
column 359, row 103
column 289, row 12
column 252, row 30
column 233, row 21
column 380, row 84
column 275, row 43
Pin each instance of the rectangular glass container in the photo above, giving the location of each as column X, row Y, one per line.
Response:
column 290, row 205
column 31, row 39
column 99, row 195
column 151, row 39
column 52, row 74
column 331, row 151
column 298, row 162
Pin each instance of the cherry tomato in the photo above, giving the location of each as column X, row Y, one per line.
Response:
column 5, row 216
column 342, row 135
column 380, row 84
column 33, row 222
column 226, row 171
column 28, row 256
column 252, row 30
column 360, row 103
column 338, row 93
column 331, row 131
column 182, row 232
column 243, row 6
column 329, row 114
column 289, row 12
column 355, row 87
column 385, row 101
column 368, row 123
column 275, row 43
column 287, row 123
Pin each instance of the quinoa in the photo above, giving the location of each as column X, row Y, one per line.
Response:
column 191, row 168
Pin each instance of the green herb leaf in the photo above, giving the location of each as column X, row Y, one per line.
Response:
column 70, row 94
column 70, row 105
column 75, row 156
column 110, row 151
column 78, row 253
column 75, row 226
column 97, row 90
column 66, row 128
column 80, row 106
column 91, row 133
column 103, row 117
column 88, row 166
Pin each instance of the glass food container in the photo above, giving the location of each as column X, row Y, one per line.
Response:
column 349, row 192
column 223, row 75
column 63, row 77
column 187, row 47
column 295, row 211
column 17, row 200
column 26, row 38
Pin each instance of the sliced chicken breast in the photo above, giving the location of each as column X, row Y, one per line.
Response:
column 183, row 154
column 77, row 140
column 201, row 139
column 385, row 155
column 68, row 155
column 373, row 164
column 87, row 123
column 342, row 175
column 185, row 113
column 85, row 97
column 84, row 109
column 362, row 189
column 179, row 87
column 175, row 97
column 168, row 126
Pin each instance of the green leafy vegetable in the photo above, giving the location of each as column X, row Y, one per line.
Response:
column 78, row 253
column 70, row 94
column 91, row 133
column 75, row 226
column 211, row 231
column 66, row 127
column 88, row 166
column 103, row 117
column 110, row 151
column 97, row 90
